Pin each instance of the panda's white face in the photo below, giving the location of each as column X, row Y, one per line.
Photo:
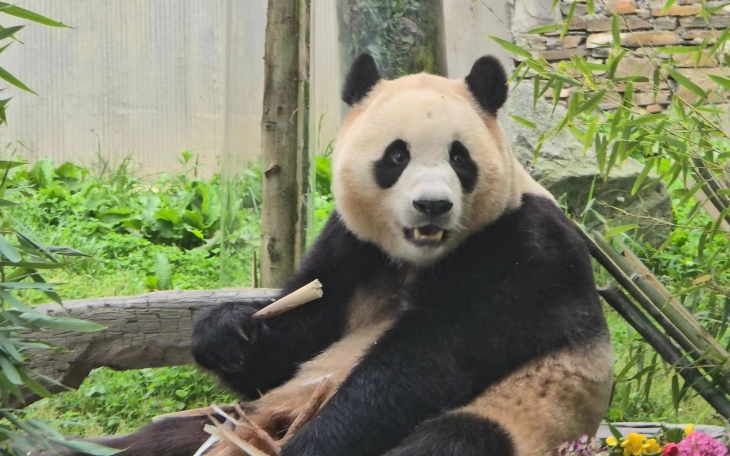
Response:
column 417, row 166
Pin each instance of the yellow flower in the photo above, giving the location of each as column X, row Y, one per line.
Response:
column 689, row 429
column 651, row 447
column 632, row 444
column 611, row 441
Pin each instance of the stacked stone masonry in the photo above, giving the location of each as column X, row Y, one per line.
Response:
column 646, row 27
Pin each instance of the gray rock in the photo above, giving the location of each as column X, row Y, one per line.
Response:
column 568, row 173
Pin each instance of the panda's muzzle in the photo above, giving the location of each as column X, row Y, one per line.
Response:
column 427, row 235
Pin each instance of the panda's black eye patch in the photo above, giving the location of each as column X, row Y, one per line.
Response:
column 463, row 165
column 391, row 165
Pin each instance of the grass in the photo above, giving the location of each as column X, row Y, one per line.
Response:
column 75, row 208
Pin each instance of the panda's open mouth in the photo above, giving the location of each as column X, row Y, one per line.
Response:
column 428, row 235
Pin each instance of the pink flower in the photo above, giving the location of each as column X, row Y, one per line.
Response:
column 670, row 449
column 700, row 444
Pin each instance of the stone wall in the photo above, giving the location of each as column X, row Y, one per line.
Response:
column 646, row 27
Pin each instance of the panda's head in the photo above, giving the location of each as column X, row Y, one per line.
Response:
column 421, row 161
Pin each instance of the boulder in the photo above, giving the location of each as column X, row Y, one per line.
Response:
column 568, row 173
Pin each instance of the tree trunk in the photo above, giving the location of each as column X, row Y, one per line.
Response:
column 149, row 330
column 279, row 142
column 304, row 154
column 403, row 38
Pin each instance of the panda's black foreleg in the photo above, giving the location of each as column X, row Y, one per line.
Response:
column 456, row 434
column 254, row 356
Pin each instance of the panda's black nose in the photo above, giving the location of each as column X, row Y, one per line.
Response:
column 433, row 207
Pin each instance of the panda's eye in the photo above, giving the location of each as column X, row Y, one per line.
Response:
column 397, row 153
column 458, row 155
column 398, row 157
column 457, row 158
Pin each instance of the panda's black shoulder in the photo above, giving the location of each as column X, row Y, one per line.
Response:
column 338, row 257
column 525, row 254
column 541, row 222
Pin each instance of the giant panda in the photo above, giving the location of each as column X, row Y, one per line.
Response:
column 459, row 316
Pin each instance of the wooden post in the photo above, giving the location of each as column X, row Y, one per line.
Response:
column 279, row 142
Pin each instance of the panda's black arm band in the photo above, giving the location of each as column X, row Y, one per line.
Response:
column 341, row 263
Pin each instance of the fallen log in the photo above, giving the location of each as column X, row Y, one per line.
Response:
column 148, row 330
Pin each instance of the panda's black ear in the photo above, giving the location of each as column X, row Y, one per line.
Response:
column 488, row 83
column 360, row 80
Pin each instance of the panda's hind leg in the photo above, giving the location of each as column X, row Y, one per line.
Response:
column 169, row 437
column 456, row 434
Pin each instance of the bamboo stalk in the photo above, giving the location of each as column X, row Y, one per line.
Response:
column 602, row 253
column 615, row 297
column 671, row 308
column 603, row 258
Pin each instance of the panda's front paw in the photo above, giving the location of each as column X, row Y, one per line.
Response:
column 222, row 336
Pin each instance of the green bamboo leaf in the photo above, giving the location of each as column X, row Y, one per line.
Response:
column 11, row 373
column 568, row 19
column 511, row 47
column 40, row 286
column 675, row 392
column 522, row 121
column 592, row 103
column 686, row 83
column 9, row 251
column 50, row 293
column 8, row 346
column 615, row 432
column 619, row 229
column 717, row 8
column 541, row 30
column 669, row 4
column 10, row 31
column 642, row 176
column 87, row 447
column 14, row 81
column 34, row 385
column 725, row 82
column 6, row 203
column 591, row 7
column 10, row 164
column 720, row 41
column 677, row 50
column 19, row 305
column 29, row 15
column 67, row 251
column 2, row 49
column 615, row 32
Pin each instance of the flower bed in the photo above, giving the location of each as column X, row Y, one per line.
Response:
column 668, row 442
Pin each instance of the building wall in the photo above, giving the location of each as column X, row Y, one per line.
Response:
column 651, row 28
column 150, row 78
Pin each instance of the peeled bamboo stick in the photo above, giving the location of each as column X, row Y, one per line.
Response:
column 307, row 293
column 664, row 347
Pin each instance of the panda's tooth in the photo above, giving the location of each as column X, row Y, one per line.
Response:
column 418, row 234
